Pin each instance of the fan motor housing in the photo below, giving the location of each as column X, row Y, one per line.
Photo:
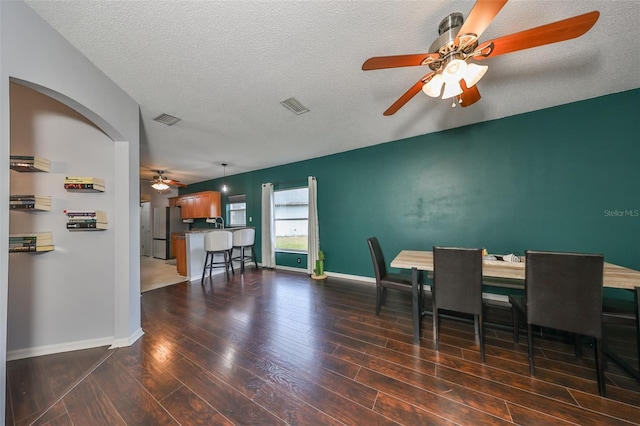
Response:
column 445, row 44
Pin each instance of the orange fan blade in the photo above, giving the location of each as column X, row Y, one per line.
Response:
column 381, row 62
column 469, row 96
column 408, row 95
column 483, row 12
column 545, row 34
column 175, row 183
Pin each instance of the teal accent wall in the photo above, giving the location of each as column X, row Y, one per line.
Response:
column 291, row 260
column 565, row 178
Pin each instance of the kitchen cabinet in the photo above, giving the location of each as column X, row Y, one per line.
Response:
column 181, row 255
column 200, row 205
column 174, row 241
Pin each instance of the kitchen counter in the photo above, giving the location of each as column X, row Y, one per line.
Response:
column 195, row 252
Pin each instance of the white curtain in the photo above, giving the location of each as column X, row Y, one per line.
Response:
column 268, row 228
column 314, row 235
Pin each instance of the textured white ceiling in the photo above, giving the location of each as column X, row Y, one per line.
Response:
column 224, row 66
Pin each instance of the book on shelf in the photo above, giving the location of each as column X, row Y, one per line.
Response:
column 34, row 249
column 86, row 225
column 98, row 215
column 29, row 163
column 26, row 240
column 33, row 202
column 84, row 179
column 88, row 187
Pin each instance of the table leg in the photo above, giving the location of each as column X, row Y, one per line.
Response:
column 636, row 294
column 621, row 362
column 415, row 301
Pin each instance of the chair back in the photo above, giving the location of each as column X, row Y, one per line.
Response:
column 564, row 291
column 379, row 265
column 457, row 279
column 244, row 237
column 218, row 241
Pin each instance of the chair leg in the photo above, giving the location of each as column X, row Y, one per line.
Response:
column 253, row 256
column 599, row 358
column 227, row 261
column 378, row 299
column 532, row 367
column 242, row 260
column 480, row 323
column 515, row 321
column 204, row 269
column 231, row 261
column 577, row 342
column 436, row 327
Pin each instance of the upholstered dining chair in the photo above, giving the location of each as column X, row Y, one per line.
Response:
column 217, row 243
column 457, row 286
column 563, row 291
column 243, row 240
column 385, row 280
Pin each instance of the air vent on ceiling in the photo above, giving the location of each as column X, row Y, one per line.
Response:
column 294, row 106
column 167, row 119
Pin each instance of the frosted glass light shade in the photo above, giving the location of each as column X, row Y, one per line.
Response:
column 451, row 90
column 474, row 74
column 434, row 86
column 160, row 186
column 454, row 71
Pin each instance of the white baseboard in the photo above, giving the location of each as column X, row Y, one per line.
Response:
column 351, row 277
column 58, row 348
column 123, row 343
column 74, row 346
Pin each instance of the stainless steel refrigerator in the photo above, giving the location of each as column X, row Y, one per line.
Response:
column 166, row 220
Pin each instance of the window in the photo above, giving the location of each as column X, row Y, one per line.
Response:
column 291, row 219
column 237, row 210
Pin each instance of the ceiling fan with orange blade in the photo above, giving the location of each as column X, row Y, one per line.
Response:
column 160, row 183
column 452, row 73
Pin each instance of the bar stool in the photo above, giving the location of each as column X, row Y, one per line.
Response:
column 216, row 243
column 244, row 239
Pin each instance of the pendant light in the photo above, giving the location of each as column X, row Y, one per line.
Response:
column 224, row 186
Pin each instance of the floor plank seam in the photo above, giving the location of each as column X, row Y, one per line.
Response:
column 76, row 383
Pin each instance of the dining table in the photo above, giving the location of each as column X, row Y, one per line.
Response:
column 614, row 276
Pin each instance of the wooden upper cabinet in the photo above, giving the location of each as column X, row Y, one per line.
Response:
column 175, row 201
column 200, row 205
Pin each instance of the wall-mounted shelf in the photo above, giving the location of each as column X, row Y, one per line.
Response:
column 29, row 203
column 37, row 242
column 83, row 184
column 28, row 164
column 86, row 220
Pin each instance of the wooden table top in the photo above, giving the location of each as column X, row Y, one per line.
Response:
column 615, row 276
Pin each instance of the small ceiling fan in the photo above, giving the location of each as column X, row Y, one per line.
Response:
column 452, row 74
column 160, row 183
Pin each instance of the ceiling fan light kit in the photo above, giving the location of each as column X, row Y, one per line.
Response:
column 452, row 74
column 160, row 183
column 160, row 186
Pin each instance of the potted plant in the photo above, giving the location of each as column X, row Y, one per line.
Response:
column 318, row 271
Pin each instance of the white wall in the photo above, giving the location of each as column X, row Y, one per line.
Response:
column 41, row 315
column 33, row 53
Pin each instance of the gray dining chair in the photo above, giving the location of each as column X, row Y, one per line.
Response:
column 457, row 287
column 384, row 279
column 563, row 291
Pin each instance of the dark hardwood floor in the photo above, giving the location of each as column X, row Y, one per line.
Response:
column 280, row 348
